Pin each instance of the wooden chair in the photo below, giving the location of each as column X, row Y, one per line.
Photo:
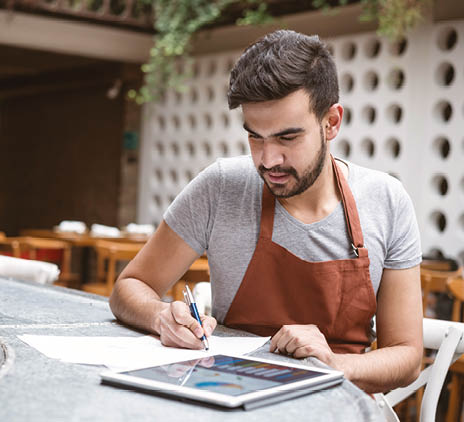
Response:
column 198, row 271
column 48, row 250
column 109, row 254
column 456, row 288
column 435, row 275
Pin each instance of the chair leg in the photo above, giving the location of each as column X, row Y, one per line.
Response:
column 453, row 402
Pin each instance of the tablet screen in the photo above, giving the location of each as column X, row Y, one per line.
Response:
column 228, row 375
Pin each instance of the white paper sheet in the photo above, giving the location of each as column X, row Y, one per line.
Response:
column 126, row 353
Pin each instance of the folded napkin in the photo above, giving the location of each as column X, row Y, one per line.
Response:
column 140, row 228
column 72, row 226
column 28, row 270
column 104, row 231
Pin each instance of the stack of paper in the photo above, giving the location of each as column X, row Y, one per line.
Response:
column 127, row 353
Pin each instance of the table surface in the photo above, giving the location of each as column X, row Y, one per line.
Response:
column 34, row 387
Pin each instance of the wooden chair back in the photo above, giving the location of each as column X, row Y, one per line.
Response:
column 109, row 253
column 198, row 272
column 435, row 275
column 49, row 250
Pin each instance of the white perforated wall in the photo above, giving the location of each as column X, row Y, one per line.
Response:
column 404, row 113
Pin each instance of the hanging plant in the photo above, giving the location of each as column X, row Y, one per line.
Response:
column 176, row 23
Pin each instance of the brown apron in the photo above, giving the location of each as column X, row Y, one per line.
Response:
column 281, row 289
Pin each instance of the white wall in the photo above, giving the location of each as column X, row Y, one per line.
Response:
column 424, row 148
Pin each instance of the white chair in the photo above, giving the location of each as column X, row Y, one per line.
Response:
column 447, row 338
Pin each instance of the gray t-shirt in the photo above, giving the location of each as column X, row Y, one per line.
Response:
column 220, row 210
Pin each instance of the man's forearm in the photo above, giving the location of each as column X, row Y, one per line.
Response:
column 136, row 304
column 382, row 369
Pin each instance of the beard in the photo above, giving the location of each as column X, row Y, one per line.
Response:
column 303, row 182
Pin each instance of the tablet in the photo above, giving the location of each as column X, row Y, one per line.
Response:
column 228, row 381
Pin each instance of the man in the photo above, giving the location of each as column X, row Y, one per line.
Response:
column 306, row 249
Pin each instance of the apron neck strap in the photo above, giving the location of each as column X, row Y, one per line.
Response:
column 267, row 213
column 349, row 207
column 351, row 211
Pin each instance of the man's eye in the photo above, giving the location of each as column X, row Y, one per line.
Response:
column 287, row 138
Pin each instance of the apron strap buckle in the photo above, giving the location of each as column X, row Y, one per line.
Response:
column 355, row 250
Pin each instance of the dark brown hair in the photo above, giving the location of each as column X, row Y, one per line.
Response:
column 283, row 62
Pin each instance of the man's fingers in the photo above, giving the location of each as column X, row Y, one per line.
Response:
column 209, row 324
column 181, row 314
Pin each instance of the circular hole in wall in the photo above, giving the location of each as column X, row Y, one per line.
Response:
column 445, row 74
column 369, row 114
column 176, row 121
column 171, row 198
column 343, row 148
column 208, row 120
column 440, row 184
column 346, row 83
column 395, row 175
column 371, row 80
column 161, row 122
column 347, row 115
column 188, row 175
column 395, row 79
column 447, row 39
column 393, row 147
column 224, row 149
column 394, row 113
column 348, row 51
column 438, row 221
column 159, row 175
column 372, row 48
column 196, row 69
column 398, row 48
column 193, row 95
column 212, row 68
column 174, row 176
column 443, row 111
column 190, row 149
column 442, row 147
column 225, row 120
column 175, row 149
column 210, row 93
column 368, row 147
column 206, row 148
column 192, row 121
column 157, row 200
column 160, row 148
column 177, row 97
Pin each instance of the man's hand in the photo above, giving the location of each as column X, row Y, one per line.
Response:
column 177, row 327
column 302, row 341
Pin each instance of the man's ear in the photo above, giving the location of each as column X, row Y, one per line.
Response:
column 332, row 121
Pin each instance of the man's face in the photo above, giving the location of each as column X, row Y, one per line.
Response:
column 287, row 143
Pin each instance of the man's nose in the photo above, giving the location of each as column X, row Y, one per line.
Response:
column 272, row 155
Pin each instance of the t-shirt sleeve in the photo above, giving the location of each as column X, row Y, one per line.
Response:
column 191, row 214
column 404, row 248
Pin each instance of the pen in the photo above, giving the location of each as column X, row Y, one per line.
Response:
column 188, row 297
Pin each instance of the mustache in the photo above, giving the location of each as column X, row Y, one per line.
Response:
column 278, row 169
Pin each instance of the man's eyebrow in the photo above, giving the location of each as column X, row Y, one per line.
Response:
column 289, row 131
